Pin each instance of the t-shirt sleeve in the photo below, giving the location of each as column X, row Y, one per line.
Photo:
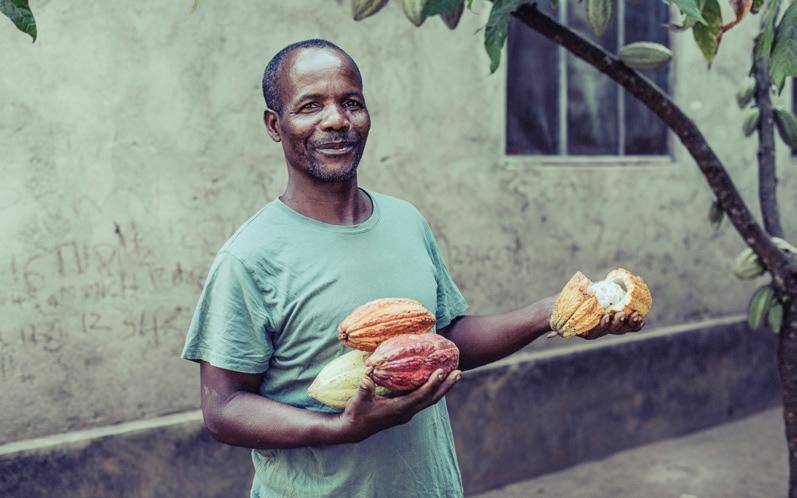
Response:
column 450, row 301
column 229, row 327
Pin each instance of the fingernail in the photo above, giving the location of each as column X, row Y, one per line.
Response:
column 457, row 376
column 441, row 374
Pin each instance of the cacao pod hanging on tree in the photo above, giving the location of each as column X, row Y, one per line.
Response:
column 645, row 55
column 360, row 9
column 413, row 9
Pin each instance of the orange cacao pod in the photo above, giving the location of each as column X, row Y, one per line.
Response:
column 375, row 321
column 405, row 362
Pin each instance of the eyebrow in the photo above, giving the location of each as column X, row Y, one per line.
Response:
column 316, row 96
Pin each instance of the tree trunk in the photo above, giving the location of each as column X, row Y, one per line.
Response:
column 787, row 353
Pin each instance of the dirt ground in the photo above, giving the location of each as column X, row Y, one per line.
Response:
column 743, row 459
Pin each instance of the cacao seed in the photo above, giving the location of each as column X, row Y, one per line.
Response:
column 645, row 55
column 406, row 361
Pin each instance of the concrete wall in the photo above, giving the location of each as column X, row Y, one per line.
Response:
column 132, row 146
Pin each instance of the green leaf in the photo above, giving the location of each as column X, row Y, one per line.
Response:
column 775, row 317
column 783, row 60
column 496, row 29
column 764, row 41
column 715, row 215
column 20, row 14
column 690, row 8
column 434, row 7
column 470, row 5
column 707, row 35
column 757, row 4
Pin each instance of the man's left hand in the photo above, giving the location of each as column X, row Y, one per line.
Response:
column 618, row 324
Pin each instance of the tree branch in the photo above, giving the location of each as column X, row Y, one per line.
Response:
column 783, row 269
column 767, row 175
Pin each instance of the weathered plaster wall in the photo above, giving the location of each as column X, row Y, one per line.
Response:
column 132, row 146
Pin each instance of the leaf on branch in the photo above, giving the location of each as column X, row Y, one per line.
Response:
column 496, row 29
column 599, row 15
column 764, row 41
column 20, row 14
column 715, row 215
column 708, row 35
column 690, row 8
column 786, row 123
column 740, row 8
column 435, row 7
column 783, row 60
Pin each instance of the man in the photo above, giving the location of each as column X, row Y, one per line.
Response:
column 266, row 322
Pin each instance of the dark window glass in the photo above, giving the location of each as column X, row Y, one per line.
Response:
column 600, row 117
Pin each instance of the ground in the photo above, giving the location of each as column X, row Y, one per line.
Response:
column 743, row 459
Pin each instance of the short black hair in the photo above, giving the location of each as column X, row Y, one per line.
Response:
column 271, row 83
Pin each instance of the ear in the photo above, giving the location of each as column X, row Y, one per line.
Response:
column 271, row 120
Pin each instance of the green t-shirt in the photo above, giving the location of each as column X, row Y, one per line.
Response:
column 271, row 304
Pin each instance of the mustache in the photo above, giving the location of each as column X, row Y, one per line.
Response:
column 352, row 139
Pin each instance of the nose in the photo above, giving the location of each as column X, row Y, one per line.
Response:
column 334, row 118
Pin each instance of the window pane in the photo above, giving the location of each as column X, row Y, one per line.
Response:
column 532, row 110
column 645, row 133
column 592, row 121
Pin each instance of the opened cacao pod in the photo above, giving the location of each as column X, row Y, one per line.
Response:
column 582, row 304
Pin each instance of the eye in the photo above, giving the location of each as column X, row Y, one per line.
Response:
column 352, row 104
column 307, row 106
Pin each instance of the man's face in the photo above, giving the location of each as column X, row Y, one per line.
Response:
column 324, row 122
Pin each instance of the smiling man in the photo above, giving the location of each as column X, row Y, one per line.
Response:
column 266, row 322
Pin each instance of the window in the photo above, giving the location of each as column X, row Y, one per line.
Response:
column 794, row 106
column 558, row 105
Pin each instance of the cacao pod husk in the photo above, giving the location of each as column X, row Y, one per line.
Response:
column 452, row 16
column 645, row 55
column 599, row 15
column 406, row 361
column 750, row 122
column 786, row 123
column 360, row 9
column 413, row 9
column 747, row 266
column 746, row 93
column 759, row 305
column 775, row 317
column 339, row 380
column 375, row 321
column 582, row 304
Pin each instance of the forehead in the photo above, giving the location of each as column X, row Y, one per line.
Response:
column 317, row 70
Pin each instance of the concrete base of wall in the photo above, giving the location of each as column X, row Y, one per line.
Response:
column 525, row 416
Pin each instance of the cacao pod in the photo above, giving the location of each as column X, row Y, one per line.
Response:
column 452, row 16
column 775, row 317
column 406, row 361
column 380, row 319
column 360, row 9
column 747, row 266
column 339, row 380
column 645, row 55
column 582, row 304
column 599, row 15
column 746, row 92
column 787, row 126
column 759, row 305
column 413, row 9
column 750, row 122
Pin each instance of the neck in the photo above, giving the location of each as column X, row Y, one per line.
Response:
column 334, row 203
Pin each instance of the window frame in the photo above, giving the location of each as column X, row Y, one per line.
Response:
column 525, row 161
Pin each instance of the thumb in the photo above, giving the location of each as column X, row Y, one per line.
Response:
column 366, row 391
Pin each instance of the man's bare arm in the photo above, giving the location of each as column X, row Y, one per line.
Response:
column 484, row 339
column 236, row 414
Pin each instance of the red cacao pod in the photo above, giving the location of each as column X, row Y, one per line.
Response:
column 405, row 362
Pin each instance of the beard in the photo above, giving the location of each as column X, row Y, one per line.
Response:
column 318, row 170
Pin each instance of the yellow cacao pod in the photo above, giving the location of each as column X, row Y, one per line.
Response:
column 582, row 304
column 452, row 16
column 360, row 9
column 373, row 322
column 787, row 126
column 750, row 122
column 599, row 15
column 747, row 265
column 645, row 55
column 340, row 378
column 413, row 9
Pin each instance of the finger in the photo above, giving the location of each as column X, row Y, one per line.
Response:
column 365, row 392
column 427, row 389
column 618, row 323
column 443, row 388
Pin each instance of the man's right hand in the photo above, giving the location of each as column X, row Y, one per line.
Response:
column 366, row 413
